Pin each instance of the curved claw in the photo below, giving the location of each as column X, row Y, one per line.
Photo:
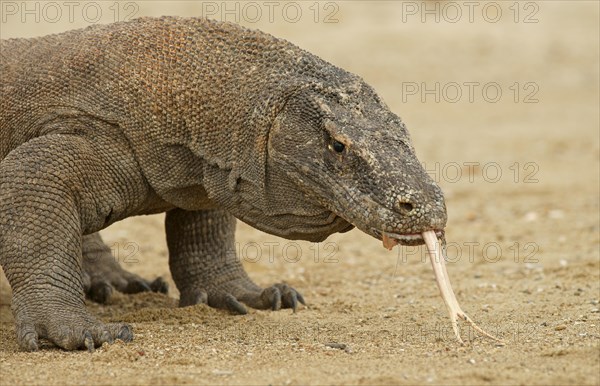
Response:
column 234, row 306
column 106, row 337
column 291, row 300
column 289, row 296
column 100, row 290
column 271, row 298
column 301, row 298
column 136, row 286
column 159, row 285
column 233, row 297
column 125, row 333
column 28, row 338
column 102, row 273
column 88, row 341
column 68, row 329
column 215, row 300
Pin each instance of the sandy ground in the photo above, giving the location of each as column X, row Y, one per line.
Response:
column 524, row 243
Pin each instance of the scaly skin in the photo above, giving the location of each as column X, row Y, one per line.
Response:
column 102, row 273
column 206, row 121
column 204, row 265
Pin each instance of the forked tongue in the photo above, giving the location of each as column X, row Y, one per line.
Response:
column 443, row 281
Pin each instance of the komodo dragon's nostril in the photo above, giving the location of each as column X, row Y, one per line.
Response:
column 405, row 207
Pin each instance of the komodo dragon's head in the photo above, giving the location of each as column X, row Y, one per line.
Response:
column 353, row 161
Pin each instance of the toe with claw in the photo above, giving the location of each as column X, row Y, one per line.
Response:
column 235, row 295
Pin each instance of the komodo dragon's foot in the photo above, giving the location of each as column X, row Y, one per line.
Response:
column 102, row 273
column 231, row 294
column 66, row 326
column 205, row 271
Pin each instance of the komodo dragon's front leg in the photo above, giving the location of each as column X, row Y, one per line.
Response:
column 54, row 189
column 206, row 270
column 102, row 273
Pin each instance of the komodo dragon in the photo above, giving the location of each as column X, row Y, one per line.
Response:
column 206, row 121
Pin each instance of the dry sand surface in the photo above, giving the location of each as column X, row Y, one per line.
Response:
column 524, row 244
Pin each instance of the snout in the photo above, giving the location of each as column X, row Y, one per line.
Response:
column 420, row 211
column 408, row 220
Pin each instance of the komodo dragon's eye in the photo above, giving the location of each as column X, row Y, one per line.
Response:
column 338, row 147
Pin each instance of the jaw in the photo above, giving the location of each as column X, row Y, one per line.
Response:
column 392, row 228
column 316, row 234
column 314, row 228
column 392, row 237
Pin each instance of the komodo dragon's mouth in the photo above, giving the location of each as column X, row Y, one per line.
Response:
column 391, row 239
